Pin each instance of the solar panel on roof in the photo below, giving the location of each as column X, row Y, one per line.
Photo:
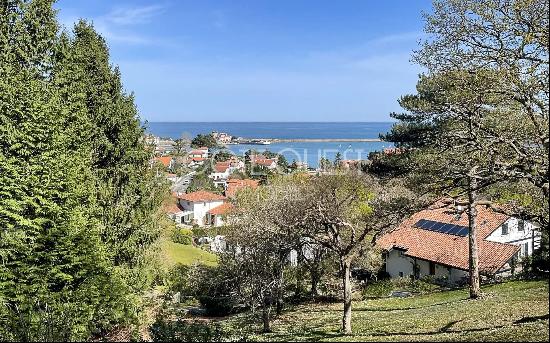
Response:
column 447, row 227
column 455, row 230
column 421, row 223
column 450, row 229
column 437, row 226
column 463, row 231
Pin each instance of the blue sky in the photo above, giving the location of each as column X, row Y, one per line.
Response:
column 257, row 60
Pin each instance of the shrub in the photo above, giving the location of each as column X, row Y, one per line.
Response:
column 182, row 236
column 218, row 306
column 206, row 284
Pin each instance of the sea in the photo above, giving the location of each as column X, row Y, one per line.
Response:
column 309, row 152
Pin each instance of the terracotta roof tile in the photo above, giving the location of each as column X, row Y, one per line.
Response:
column 173, row 208
column 221, row 167
column 165, row 160
column 448, row 249
column 234, row 185
column 222, row 209
column 201, row 196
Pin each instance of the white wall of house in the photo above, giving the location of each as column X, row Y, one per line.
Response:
column 220, row 176
column 400, row 265
column 397, row 264
column 527, row 239
column 200, row 209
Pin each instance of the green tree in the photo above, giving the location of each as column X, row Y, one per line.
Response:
column 201, row 181
column 202, row 140
column 337, row 160
column 344, row 212
column 77, row 197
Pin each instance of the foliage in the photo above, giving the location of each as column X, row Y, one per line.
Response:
column 201, row 181
column 202, row 140
column 223, row 155
column 78, row 201
column 341, row 211
column 182, row 236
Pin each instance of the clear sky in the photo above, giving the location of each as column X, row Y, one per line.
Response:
column 257, row 60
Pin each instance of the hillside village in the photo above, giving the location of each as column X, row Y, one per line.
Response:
column 432, row 242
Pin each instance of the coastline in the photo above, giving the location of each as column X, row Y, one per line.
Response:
column 323, row 140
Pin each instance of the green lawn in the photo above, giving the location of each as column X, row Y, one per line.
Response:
column 186, row 254
column 511, row 311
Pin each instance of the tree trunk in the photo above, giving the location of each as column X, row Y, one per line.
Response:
column 314, row 283
column 280, row 292
column 266, row 309
column 475, row 290
column 346, row 320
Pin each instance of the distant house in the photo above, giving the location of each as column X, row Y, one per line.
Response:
column 172, row 177
column 199, row 153
column 222, row 170
column 234, row 185
column 166, row 161
column 261, row 160
column 197, row 208
column 222, row 137
column 435, row 242
column 215, row 216
column 196, row 161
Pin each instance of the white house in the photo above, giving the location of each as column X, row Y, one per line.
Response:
column 435, row 242
column 261, row 160
column 198, row 208
column 199, row 153
column 222, row 170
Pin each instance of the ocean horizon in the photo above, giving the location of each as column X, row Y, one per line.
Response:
column 309, row 152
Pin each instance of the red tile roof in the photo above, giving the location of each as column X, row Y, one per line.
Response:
column 221, row 167
column 448, row 249
column 197, row 152
column 165, row 160
column 198, row 159
column 222, row 209
column 201, row 196
column 234, row 185
column 265, row 162
column 173, row 208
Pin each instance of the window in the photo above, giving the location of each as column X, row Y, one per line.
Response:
column 505, row 228
column 526, row 249
column 521, row 225
column 432, row 268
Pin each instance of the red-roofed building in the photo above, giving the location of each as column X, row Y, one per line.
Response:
column 196, row 207
column 200, row 152
column 234, row 185
column 167, row 161
column 435, row 242
column 261, row 160
column 215, row 216
column 222, row 170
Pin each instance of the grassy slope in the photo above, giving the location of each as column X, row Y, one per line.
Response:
column 510, row 311
column 186, row 254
